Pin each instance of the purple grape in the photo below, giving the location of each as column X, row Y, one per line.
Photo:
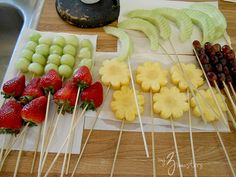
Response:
column 223, row 61
column 233, row 71
column 211, row 76
column 196, row 44
column 221, row 77
column 214, row 59
column 207, row 68
column 204, row 59
column 219, row 67
column 207, row 46
column 230, row 55
column 226, row 70
column 217, row 47
column 225, row 48
column 229, row 79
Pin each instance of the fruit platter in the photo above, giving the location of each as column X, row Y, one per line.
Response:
column 174, row 74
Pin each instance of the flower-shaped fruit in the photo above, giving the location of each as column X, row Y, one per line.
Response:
column 123, row 104
column 192, row 73
column 151, row 76
column 170, row 103
column 208, row 105
column 114, row 73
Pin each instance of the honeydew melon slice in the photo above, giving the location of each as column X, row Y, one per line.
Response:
column 144, row 26
column 215, row 14
column 159, row 21
column 204, row 22
column 183, row 22
column 126, row 44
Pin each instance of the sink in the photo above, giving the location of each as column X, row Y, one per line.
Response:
column 15, row 15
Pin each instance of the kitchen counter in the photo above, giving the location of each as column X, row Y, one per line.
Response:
column 131, row 161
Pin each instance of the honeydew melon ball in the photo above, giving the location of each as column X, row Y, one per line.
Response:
column 42, row 49
column 85, row 53
column 38, row 58
column 50, row 66
column 68, row 59
column 86, row 62
column 31, row 45
column 36, row 68
column 69, row 49
column 27, row 54
column 34, row 36
column 54, row 59
column 45, row 40
column 22, row 64
column 72, row 40
column 55, row 49
column 59, row 40
column 86, row 43
column 65, row 71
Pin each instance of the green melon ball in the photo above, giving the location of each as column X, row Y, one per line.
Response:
column 22, row 65
column 36, row 68
column 55, row 49
column 65, row 71
column 85, row 53
column 68, row 59
column 34, row 36
column 27, row 54
column 86, row 62
column 50, row 66
column 55, row 59
column 31, row 45
column 86, row 43
column 38, row 58
column 42, row 49
column 45, row 40
column 72, row 40
column 59, row 40
column 69, row 49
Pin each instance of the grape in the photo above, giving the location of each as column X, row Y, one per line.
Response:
column 225, row 49
column 217, row 47
column 230, row 55
column 55, row 59
column 207, row 46
column 200, row 51
column 50, row 66
column 223, row 61
column 59, row 40
column 207, row 67
column 45, row 40
column 226, row 70
column 86, row 62
column 211, row 76
column 219, row 67
column 34, row 36
column 221, row 77
column 65, row 71
column 69, row 49
column 229, row 79
column 27, row 54
column 31, row 45
column 220, row 55
column 72, row 40
column 214, row 59
column 22, row 65
column 55, row 49
column 86, row 43
column 204, row 59
column 68, row 59
column 233, row 71
column 84, row 53
column 38, row 58
column 36, row 68
column 42, row 49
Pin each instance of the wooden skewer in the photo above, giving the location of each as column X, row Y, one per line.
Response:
column 70, row 131
column 229, row 96
column 232, row 89
column 70, row 152
column 117, row 148
column 19, row 154
column 138, row 111
column 90, row 133
column 176, row 147
column 65, row 142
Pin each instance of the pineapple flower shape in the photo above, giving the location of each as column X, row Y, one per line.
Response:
column 170, row 103
column 114, row 73
column 123, row 104
column 151, row 76
column 208, row 105
column 194, row 75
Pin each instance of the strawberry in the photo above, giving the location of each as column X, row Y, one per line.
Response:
column 66, row 97
column 83, row 77
column 35, row 110
column 10, row 119
column 31, row 91
column 51, row 82
column 14, row 87
column 92, row 96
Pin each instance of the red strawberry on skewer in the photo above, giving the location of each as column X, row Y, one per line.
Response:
column 92, row 96
column 51, row 82
column 10, row 118
column 35, row 111
column 14, row 87
column 83, row 77
column 31, row 91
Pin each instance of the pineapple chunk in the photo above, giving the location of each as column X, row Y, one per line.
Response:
column 208, row 105
column 193, row 74
column 123, row 104
column 151, row 76
column 114, row 73
column 170, row 103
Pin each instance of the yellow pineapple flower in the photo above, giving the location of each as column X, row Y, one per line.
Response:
column 170, row 103
column 193, row 74
column 208, row 105
column 151, row 76
column 123, row 104
column 114, row 73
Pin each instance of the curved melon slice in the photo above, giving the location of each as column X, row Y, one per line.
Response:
column 126, row 44
column 142, row 25
column 215, row 14
column 156, row 19
column 183, row 22
column 204, row 22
